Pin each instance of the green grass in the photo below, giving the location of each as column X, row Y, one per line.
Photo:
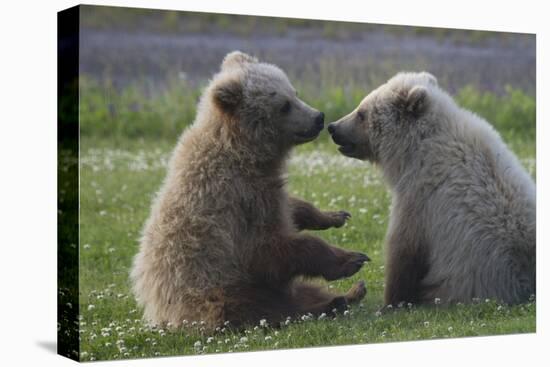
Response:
column 126, row 139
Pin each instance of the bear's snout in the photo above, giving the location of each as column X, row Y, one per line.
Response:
column 320, row 120
column 331, row 128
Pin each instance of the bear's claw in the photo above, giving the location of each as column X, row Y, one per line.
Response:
column 339, row 218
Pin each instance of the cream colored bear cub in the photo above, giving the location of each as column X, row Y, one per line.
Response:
column 462, row 222
column 222, row 243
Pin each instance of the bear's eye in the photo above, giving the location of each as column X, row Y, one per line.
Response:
column 286, row 107
column 361, row 115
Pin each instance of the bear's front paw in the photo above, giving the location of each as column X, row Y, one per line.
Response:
column 354, row 263
column 338, row 219
column 348, row 263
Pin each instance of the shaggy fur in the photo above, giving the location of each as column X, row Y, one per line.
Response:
column 222, row 242
column 462, row 221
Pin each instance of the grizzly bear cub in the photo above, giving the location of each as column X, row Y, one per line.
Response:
column 462, row 222
column 222, row 243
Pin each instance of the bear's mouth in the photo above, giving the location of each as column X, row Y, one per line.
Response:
column 305, row 136
column 347, row 149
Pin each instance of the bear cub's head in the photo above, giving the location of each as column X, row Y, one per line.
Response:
column 258, row 101
column 388, row 120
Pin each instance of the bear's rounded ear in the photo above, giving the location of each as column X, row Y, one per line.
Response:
column 416, row 101
column 431, row 79
column 237, row 59
column 228, row 94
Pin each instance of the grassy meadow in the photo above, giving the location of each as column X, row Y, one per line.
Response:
column 126, row 139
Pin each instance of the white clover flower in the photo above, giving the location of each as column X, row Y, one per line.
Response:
column 263, row 323
column 346, row 312
column 210, row 340
column 90, row 307
column 244, row 339
column 378, row 313
column 450, row 328
column 437, row 301
column 426, row 323
column 267, row 338
column 108, row 344
column 197, row 344
column 322, row 316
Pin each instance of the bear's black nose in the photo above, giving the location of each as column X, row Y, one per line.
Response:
column 331, row 128
column 320, row 119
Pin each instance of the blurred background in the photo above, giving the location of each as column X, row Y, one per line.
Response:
column 142, row 70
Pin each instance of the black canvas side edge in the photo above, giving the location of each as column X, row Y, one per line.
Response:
column 68, row 183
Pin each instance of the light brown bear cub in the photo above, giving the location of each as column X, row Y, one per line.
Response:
column 222, row 242
column 462, row 222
